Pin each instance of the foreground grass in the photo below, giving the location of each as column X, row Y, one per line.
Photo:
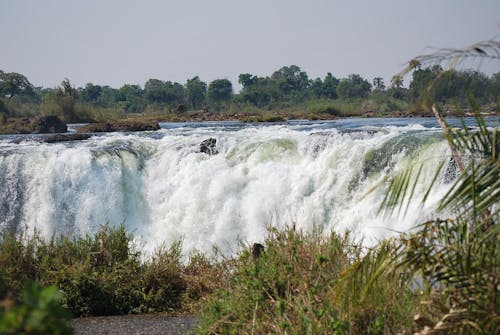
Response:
column 294, row 287
column 299, row 286
column 104, row 274
column 301, row 283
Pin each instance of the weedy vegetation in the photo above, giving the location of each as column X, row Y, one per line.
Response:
column 104, row 274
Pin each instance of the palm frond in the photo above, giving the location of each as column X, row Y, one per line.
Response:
column 399, row 195
column 458, row 258
column 475, row 191
column 489, row 50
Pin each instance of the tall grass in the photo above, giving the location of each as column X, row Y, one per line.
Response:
column 104, row 274
column 297, row 286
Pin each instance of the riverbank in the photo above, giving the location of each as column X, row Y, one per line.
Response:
column 54, row 125
column 149, row 121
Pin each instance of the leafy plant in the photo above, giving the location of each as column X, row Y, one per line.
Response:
column 40, row 313
column 456, row 259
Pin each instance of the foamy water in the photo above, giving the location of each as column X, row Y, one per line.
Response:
column 163, row 189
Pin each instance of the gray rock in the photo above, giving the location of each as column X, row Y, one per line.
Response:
column 208, row 146
column 50, row 124
column 65, row 138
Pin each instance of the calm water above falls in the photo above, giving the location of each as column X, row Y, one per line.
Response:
column 162, row 188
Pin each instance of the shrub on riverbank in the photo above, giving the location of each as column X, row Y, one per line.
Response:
column 294, row 286
column 298, row 286
column 103, row 274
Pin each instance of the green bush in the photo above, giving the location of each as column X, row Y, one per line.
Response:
column 162, row 283
column 104, row 274
column 297, row 287
column 18, row 262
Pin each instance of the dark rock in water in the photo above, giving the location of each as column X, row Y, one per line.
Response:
column 451, row 171
column 257, row 250
column 50, row 124
column 66, row 138
column 208, row 146
column 124, row 125
column 358, row 131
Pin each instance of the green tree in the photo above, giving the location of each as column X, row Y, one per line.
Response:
column 175, row 94
column 155, row 91
column 220, row 91
column 130, row 98
column 259, row 91
column 330, row 86
column 477, row 84
column 397, row 90
column 196, row 92
column 109, row 97
column 378, row 84
column 456, row 260
column 12, row 83
column 62, row 102
column 66, row 96
column 326, row 88
column 4, row 112
column 90, row 93
column 494, row 87
column 353, row 87
column 246, row 80
column 292, row 82
column 397, row 81
column 421, row 80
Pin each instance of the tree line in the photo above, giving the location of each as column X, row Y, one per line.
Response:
column 286, row 87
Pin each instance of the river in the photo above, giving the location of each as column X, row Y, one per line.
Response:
column 314, row 175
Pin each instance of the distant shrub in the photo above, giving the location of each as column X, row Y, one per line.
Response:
column 323, row 107
column 266, row 117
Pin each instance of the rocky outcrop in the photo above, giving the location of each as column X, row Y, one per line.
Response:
column 31, row 125
column 50, row 124
column 65, row 138
column 125, row 125
column 208, row 146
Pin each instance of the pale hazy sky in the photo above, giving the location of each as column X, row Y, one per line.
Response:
column 114, row 42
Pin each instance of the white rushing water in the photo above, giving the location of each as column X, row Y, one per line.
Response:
column 163, row 189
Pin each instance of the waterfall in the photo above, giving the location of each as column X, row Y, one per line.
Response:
column 162, row 188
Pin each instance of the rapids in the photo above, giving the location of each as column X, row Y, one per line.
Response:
column 315, row 175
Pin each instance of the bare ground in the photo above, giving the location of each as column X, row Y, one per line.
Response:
column 146, row 324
